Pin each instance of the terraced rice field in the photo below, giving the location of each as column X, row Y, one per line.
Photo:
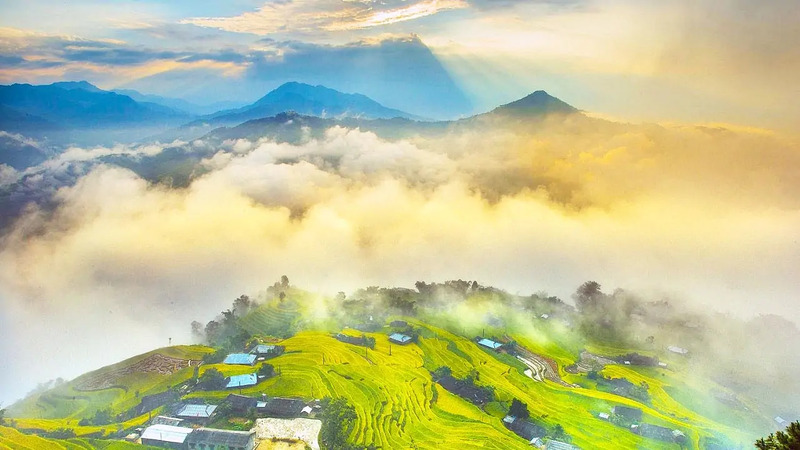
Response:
column 396, row 402
column 398, row 406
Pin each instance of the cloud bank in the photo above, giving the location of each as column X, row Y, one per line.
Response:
column 121, row 265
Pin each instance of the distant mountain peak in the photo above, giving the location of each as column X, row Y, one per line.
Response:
column 70, row 85
column 536, row 103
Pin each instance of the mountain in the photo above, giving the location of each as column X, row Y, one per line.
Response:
column 178, row 104
column 536, row 104
column 308, row 100
column 77, row 105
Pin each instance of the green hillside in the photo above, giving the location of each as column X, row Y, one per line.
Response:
column 398, row 403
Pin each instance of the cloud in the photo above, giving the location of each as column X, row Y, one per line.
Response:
column 313, row 16
column 691, row 210
column 31, row 56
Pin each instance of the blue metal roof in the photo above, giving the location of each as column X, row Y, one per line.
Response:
column 400, row 337
column 250, row 379
column 490, row 343
column 240, row 358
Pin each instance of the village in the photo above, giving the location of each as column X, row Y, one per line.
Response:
column 189, row 424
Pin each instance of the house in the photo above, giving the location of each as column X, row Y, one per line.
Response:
column 558, row 445
column 213, row 439
column 267, row 351
column 545, row 316
column 281, row 407
column 165, row 420
column 151, row 402
column 523, row 428
column 630, row 413
column 166, row 436
column 240, row 381
column 196, row 413
column 244, row 359
column 241, row 403
column 488, row 343
column 354, row 340
column 604, row 416
column 398, row 338
column 678, row 350
column 654, row 432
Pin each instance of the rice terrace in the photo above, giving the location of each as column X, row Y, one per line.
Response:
column 391, row 368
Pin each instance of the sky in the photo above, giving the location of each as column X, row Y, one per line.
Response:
column 708, row 214
column 682, row 61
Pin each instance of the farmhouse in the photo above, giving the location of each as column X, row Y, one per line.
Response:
column 240, row 381
column 523, row 428
column 151, row 402
column 351, row 339
column 632, row 414
column 281, row 407
column 654, row 432
column 212, row 439
column 267, row 351
column 241, row 403
column 398, row 338
column 196, row 413
column 245, row 359
column 166, row 436
column 164, row 420
column 558, row 445
column 488, row 343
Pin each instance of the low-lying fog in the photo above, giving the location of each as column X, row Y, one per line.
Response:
column 121, row 265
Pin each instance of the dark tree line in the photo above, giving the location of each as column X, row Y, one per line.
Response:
column 782, row 440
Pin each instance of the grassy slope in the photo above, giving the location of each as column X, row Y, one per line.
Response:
column 64, row 405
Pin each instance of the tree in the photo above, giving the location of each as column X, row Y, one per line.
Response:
column 2, row 415
column 197, row 330
column 242, row 305
column 266, row 370
column 518, row 410
column 101, row 417
column 780, row 440
column 442, row 372
column 588, row 295
column 284, row 281
column 338, row 421
column 212, row 380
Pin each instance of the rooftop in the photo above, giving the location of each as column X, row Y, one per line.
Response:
column 397, row 337
column 197, row 411
column 167, row 433
column 225, row 438
column 165, row 420
column 490, row 344
column 240, row 358
column 249, row 379
column 263, row 348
